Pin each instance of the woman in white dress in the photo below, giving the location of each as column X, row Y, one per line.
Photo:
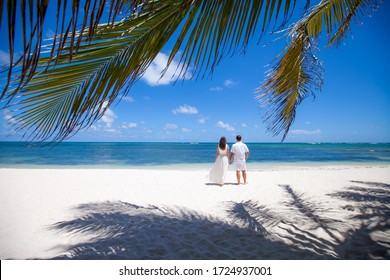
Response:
column 218, row 173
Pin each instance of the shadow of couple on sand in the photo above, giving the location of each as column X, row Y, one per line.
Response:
column 120, row 230
column 219, row 185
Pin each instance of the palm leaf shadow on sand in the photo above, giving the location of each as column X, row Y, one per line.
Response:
column 309, row 226
column 369, row 203
column 120, row 230
column 255, row 217
column 370, row 207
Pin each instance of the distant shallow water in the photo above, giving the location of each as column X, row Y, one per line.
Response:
column 187, row 155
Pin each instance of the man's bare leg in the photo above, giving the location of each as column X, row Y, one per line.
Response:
column 244, row 176
column 238, row 177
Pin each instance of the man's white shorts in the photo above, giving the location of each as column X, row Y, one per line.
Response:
column 240, row 165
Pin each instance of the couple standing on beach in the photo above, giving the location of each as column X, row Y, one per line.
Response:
column 224, row 156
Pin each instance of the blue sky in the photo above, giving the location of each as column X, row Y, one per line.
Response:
column 353, row 106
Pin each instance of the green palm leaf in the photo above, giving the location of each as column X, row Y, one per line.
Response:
column 216, row 29
column 71, row 90
column 299, row 73
column 290, row 81
column 33, row 14
column 63, row 99
column 84, row 70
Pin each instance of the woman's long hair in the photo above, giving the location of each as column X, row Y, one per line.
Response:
column 222, row 143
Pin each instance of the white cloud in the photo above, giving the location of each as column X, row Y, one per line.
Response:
column 128, row 99
column 4, row 58
column 152, row 75
column 229, row 83
column 144, row 128
column 49, row 34
column 170, row 126
column 10, row 120
column 185, row 109
column 202, row 120
column 92, row 127
column 226, row 84
column 217, row 88
column 126, row 125
column 109, row 116
column 8, row 117
column 244, row 125
column 307, row 122
column 305, row 132
column 186, row 129
column 227, row 126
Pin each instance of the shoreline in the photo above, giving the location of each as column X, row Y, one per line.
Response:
column 337, row 212
column 206, row 166
column 187, row 156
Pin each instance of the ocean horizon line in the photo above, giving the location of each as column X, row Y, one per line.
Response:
column 117, row 154
column 193, row 142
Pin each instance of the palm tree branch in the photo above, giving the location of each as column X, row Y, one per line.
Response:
column 353, row 12
column 94, row 70
column 207, row 39
column 98, row 84
column 288, row 83
column 95, row 63
column 298, row 73
column 32, row 35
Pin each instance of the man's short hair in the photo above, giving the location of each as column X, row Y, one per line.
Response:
column 238, row 137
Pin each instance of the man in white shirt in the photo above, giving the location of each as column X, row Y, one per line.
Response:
column 240, row 153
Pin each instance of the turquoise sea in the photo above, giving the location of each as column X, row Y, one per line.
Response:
column 155, row 155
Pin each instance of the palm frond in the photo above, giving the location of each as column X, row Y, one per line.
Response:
column 353, row 12
column 73, row 86
column 299, row 73
column 75, row 81
column 33, row 15
column 70, row 96
column 335, row 17
column 216, row 29
column 290, row 81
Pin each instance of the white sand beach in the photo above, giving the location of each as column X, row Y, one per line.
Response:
column 329, row 212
